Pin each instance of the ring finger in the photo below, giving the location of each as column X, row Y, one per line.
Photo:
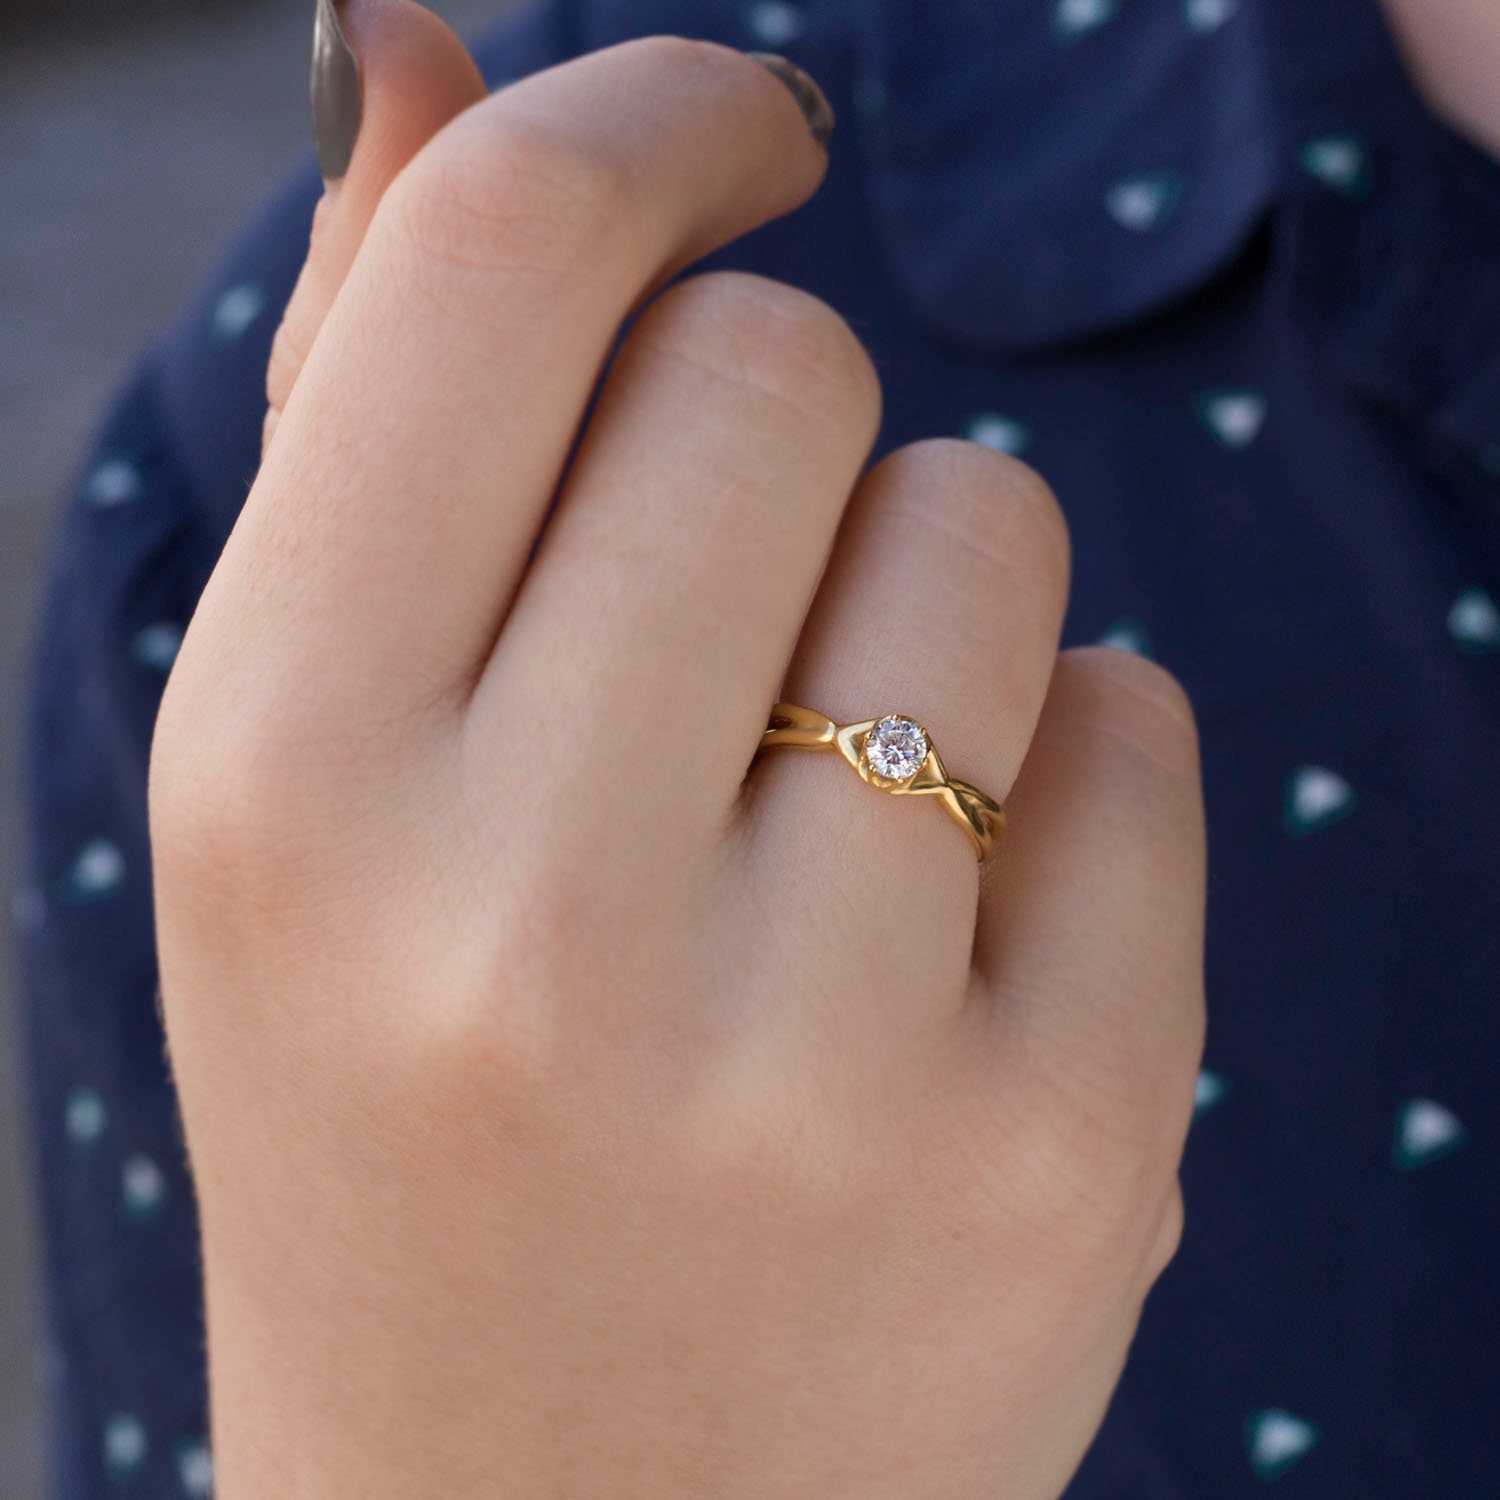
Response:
column 943, row 602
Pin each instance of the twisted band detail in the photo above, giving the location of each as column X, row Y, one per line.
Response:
column 893, row 754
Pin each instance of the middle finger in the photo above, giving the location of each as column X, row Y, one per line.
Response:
column 655, row 623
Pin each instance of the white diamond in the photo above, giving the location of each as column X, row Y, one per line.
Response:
column 1426, row 1127
column 1474, row 618
column 1141, row 203
column 195, row 1469
column 1074, row 17
column 1000, row 433
column 1209, row 15
column 236, row 310
column 1209, row 1091
column 142, row 1185
column 156, row 645
column 86, row 1116
column 1237, row 416
column 1127, row 635
column 114, row 482
column 1277, row 1439
column 124, row 1442
column 1317, row 792
column 1338, row 160
column 98, row 867
column 776, row 22
column 896, row 748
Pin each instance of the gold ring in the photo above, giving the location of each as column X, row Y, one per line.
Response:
column 893, row 754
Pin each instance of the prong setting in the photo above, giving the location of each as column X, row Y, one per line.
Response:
column 875, row 748
column 896, row 748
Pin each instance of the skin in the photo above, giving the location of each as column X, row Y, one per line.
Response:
column 578, row 1105
column 1453, row 48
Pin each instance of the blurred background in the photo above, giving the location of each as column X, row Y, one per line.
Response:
column 133, row 139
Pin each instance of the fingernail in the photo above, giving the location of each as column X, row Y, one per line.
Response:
column 815, row 105
column 337, row 96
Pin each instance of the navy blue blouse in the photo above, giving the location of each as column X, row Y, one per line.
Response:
column 1209, row 266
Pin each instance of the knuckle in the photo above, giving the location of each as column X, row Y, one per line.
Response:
column 258, row 810
column 1083, row 1177
column 1141, row 703
column 244, row 855
column 219, row 806
column 1121, row 1119
column 997, row 507
column 511, row 194
column 776, row 344
column 514, row 1011
column 1095, row 1184
column 546, row 932
column 1112, row 1102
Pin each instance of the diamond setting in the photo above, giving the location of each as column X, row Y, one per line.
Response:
column 896, row 748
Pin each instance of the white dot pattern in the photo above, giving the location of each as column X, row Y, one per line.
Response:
column 236, row 310
column 125, row 1443
column 113, row 482
column 775, row 22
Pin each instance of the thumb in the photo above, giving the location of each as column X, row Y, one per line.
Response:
column 387, row 75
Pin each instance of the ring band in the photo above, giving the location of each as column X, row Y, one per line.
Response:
column 893, row 754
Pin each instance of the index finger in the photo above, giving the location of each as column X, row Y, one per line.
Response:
column 425, row 438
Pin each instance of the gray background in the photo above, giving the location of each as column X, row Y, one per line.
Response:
column 126, row 158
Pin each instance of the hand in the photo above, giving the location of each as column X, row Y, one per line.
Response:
column 578, row 1105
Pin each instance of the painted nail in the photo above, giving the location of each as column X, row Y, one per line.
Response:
column 814, row 102
column 337, row 94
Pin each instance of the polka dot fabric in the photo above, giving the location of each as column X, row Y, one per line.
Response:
column 1207, row 265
